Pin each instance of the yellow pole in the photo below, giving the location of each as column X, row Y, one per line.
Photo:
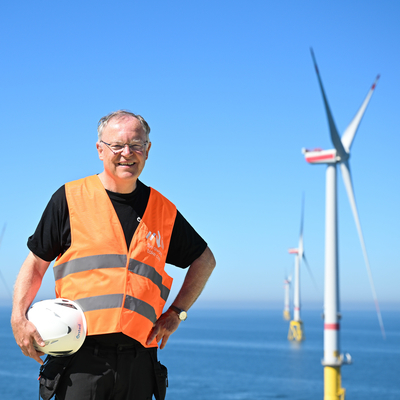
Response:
column 333, row 383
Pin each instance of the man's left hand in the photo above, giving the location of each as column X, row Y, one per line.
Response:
column 164, row 327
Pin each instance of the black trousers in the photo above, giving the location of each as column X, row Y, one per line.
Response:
column 99, row 372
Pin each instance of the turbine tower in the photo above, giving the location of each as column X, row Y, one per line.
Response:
column 333, row 360
column 286, row 309
column 296, row 325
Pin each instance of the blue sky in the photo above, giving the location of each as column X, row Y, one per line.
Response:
column 231, row 95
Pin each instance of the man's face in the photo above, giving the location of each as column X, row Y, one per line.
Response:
column 123, row 168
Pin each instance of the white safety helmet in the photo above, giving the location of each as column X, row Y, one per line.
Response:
column 62, row 325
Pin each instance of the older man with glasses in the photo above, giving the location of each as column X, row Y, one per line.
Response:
column 111, row 236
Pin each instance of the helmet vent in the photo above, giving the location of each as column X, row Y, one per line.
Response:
column 67, row 305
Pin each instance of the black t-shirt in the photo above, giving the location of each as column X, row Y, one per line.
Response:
column 53, row 233
column 53, row 237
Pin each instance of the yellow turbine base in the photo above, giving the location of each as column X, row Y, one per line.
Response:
column 296, row 331
column 333, row 383
column 286, row 315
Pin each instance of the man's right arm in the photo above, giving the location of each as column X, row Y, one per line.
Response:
column 26, row 287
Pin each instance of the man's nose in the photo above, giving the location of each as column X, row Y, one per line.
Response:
column 127, row 149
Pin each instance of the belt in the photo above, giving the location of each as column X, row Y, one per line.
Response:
column 90, row 343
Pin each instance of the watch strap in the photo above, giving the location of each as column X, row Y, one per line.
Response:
column 182, row 314
column 176, row 309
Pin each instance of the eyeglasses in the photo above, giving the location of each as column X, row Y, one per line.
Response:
column 137, row 147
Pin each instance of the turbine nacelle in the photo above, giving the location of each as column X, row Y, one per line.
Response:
column 319, row 156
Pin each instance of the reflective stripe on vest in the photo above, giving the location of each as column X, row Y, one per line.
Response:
column 120, row 290
column 111, row 261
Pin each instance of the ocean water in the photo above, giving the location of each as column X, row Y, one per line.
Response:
column 245, row 355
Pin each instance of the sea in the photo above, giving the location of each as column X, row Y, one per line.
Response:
column 244, row 354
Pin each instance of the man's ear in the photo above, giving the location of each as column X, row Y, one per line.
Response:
column 100, row 150
column 147, row 150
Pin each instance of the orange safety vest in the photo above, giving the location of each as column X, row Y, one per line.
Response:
column 119, row 289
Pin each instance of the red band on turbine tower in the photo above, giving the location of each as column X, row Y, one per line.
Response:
column 333, row 327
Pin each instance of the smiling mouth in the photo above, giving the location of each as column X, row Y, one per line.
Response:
column 127, row 164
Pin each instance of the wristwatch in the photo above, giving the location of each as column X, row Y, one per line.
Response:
column 182, row 314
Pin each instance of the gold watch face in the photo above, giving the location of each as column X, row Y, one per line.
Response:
column 182, row 315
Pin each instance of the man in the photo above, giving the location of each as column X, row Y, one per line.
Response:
column 110, row 259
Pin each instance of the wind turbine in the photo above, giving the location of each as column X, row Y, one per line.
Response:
column 296, row 325
column 286, row 287
column 333, row 360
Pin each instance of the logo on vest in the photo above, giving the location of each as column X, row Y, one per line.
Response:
column 154, row 244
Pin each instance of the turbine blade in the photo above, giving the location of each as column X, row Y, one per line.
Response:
column 5, row 284
column 337, row 143
column 309, row 271
column 2, row 233
column 345, row 167
column 301, row 248
column 350, row 132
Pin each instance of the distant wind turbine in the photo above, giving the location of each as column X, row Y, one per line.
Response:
column 333, row 360
column 286, row 287
column 296, row 325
